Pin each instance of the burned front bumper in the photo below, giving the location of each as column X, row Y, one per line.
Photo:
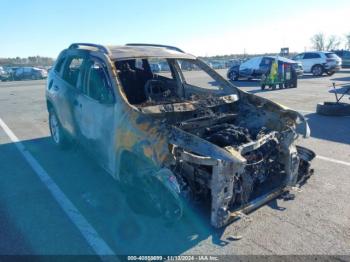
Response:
column 226, row 172
column 223, row 181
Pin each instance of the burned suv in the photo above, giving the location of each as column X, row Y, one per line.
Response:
column 182, row 136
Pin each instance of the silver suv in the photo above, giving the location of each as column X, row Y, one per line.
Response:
column 320, row 62
column 176, row 135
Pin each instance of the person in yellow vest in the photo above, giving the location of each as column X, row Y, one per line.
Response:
column 274, row 71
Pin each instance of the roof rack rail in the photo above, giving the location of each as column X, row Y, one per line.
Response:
column 99, row 47
column 156, row 45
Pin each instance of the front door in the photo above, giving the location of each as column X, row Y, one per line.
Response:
column 95, row 113
column 309, row 60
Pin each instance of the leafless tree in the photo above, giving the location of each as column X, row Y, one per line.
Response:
column 318, row 41
column 333, row 42
column 347, row 37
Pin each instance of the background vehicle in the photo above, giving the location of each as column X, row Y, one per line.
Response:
column 5, row 74
column 155, row 67
column 345, row 56
column 216, row 64
column 164, row 66
column 233, row 62
column 258, row 66
column 33, row 73
column 319, row 63
column 187, row 66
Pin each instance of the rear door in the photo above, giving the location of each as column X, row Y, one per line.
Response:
column 94, row 112
column 64, row 89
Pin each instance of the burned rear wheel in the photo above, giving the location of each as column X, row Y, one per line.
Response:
column 57, row 134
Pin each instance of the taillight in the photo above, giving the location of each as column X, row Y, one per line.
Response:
column 330, row 60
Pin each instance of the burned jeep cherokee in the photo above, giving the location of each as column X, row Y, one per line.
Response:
column 161, row 119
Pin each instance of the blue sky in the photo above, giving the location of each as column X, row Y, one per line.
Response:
column 200, row 27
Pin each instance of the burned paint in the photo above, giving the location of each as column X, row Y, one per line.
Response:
column 220, row 145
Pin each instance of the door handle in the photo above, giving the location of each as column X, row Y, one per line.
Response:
column 55, row 88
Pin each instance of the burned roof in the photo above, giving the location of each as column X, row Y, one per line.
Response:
column 126, row 52
column 135, row 50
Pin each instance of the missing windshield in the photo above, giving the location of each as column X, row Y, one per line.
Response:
column 156, row 81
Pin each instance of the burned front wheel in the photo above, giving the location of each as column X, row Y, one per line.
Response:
column 165, row 202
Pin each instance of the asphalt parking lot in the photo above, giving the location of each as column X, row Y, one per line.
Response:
column 33, row 222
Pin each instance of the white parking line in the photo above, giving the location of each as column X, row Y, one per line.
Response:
column 88, row 232
column 333, row 160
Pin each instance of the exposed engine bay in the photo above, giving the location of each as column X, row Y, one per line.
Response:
column 261, row 163
column 232, row 150
column 263, row 168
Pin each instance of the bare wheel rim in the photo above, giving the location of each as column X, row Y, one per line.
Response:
column 55, row 131
column 317, row 70
column 163, row 201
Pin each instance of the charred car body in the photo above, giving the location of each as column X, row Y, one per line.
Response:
column 177, row 134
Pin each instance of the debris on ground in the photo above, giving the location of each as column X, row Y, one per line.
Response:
column 234, row 237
